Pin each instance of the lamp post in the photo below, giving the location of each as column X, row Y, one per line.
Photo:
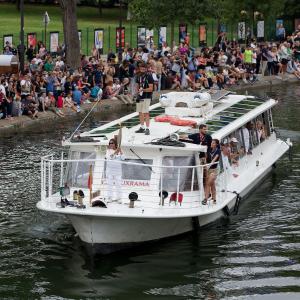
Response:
column 21, row 48
column 120, row 34
column 46, row 21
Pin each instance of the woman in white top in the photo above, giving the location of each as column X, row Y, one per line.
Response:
column 114, row 156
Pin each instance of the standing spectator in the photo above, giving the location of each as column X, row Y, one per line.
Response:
column 30, row 53
column 280, row 33
column 145, row 85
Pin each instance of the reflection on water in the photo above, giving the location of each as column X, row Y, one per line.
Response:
column 254, row 255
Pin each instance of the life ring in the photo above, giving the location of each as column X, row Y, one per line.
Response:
column 182, row 122
column 165, row 118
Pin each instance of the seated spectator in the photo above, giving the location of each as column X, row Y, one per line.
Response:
column 77, row 97
column 68, row 102
column 110, row 92
column 124, row 94
column 96, row 92
column 30, row 107
column 292, row 69
column 60, row 105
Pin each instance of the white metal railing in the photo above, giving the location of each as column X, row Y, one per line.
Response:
column 186, row 181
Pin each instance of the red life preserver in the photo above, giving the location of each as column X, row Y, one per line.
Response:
column 165, row 118
column 182, row 122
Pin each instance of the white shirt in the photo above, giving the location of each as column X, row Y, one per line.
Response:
column 113, row 167
column 2, row 89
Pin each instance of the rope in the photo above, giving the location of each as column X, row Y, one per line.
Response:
column 85, row 118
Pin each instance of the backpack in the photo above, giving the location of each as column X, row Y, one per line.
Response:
column 94, row 91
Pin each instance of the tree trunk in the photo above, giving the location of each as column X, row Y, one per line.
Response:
column 72, row 45
column 100, row 7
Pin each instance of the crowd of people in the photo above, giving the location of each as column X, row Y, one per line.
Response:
column 49, row 84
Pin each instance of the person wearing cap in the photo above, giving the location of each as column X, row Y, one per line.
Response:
column 145, row 85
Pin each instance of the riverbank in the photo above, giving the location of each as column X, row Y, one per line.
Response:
column 106, row 108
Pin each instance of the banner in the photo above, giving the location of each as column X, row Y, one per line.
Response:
column 261, row 29
column 98, row 38
column 202, row 35
column 182, row 33
column 241, row 30
column 297, row 24
column 79, row 36
column 162, row 35
column 149, row 38
column 141, row 36
column 31, row 39
column 54, row 41
column 279, row 25
column 7, row 38
column 122, row 37
column 222, row 28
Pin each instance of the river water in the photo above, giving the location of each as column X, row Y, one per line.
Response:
column 254, row 255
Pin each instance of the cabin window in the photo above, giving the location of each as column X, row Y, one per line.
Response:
column 248, row 136
column 137, row 172
column 78, row 172
column 174, row 177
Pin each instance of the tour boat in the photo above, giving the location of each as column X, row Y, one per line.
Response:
column 162, row 176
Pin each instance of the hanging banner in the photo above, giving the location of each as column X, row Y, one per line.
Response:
column 149, row 38
column 7, row 38
column 122, row 37
column 54, row 41
column 79, row 36
column 297, row 24
column 141, row 36
column 279, row 27
column 241, row 30
column 31, row 39
column 182, row 33
column 202, row 35
column 222, row 28
column 261, row 29
column 98, row 38
column 162, row 35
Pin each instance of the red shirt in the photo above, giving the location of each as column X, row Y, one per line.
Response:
column 60, row 102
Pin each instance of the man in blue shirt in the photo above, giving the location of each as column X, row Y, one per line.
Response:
column 77, row 97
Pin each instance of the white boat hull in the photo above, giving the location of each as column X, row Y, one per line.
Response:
column 108, row 233
column 120, row 233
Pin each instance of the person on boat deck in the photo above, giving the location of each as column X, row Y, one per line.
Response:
column 145, row 85
column 213, row 157
column 113, row 157
column 235, row 150
column 203, row 139
column 225, row 156
column 260, row 131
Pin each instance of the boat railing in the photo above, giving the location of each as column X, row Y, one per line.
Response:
column 156, row 185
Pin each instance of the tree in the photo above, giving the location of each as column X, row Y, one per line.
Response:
column 292, row 8
column 154, row 13
column 71, row 38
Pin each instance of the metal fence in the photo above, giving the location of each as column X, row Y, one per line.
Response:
column 87, row 35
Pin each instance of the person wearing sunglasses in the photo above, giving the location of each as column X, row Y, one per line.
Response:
column 114, row 156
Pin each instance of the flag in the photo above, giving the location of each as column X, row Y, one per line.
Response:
column 90, row 180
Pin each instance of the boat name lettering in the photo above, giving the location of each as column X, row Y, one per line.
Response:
column 135, row 183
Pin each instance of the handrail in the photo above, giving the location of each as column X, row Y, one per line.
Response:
column 127, row 162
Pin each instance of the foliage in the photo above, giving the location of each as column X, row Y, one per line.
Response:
column 292, row 8
column 248, row 9
column 154, row 13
